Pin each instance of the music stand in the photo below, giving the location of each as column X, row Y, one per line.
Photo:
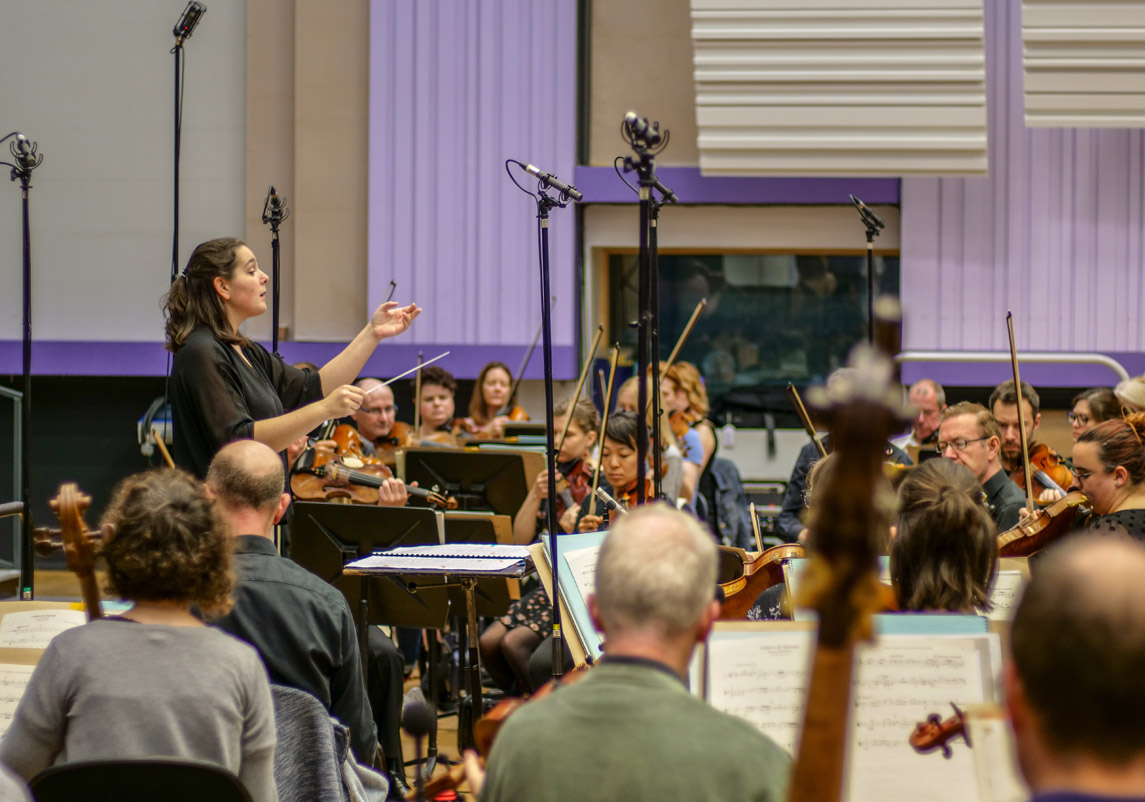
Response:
column 484, row 481
column 519, row 428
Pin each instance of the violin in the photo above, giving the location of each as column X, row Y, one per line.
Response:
column 627, row 499
column 472, row 428
column 77, row 541
column 1045, row 460
column 1044, row 526
column 758, row 573
column 572, row 487
column 934, row 733
column 386, row 446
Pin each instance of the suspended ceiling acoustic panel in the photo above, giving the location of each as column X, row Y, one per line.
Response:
column 1084, row 63
column 840, row 87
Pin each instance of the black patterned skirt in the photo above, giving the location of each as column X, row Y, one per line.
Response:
column 532, row 610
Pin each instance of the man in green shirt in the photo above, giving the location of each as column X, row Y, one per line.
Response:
column 630, row 729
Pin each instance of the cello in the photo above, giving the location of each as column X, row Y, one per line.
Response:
column 77, row 542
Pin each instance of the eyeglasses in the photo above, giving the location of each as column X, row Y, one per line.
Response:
column 390, row 410
column 1083, row 475
column 1079, row 418
column 957, row 445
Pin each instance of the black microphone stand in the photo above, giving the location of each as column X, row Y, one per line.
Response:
column 544, row 204
column 25, row 159
column 874, row 227
column 186, row 25
column 646, row 142
column 274, row 211
column 654, row 206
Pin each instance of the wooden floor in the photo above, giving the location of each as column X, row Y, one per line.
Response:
column 63, row 585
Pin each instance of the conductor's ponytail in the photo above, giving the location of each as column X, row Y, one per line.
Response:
column 192, row 301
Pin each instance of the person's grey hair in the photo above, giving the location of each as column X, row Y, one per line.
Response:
column 656, row 570
column 939, row 390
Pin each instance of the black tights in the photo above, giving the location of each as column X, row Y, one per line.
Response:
column 505, row 654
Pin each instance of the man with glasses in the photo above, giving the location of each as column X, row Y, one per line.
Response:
column 969, row 435
column 374, row 420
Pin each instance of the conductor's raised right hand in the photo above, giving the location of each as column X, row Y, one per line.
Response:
column 343, row 401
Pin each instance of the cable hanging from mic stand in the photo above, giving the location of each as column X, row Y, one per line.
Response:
column 647, row 142
column 25, row 158
column 274, row 211
column 545, row 202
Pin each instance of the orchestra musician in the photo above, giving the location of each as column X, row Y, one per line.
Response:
column 435, row 405
column 685, row 403
column 490, row 397
column 788, row 524
column 155, row 681
column 672, row 477
column 619, row 463
column 508, row 642
column 1004, row 406
column 1109, row 461
column 1091, row 407
column 1073, row 686
column 376, row 420
column 225, row 387
column 929, row 397
column 969, row 435
column 655, row 578
column 944, row 548
column 1131, row 394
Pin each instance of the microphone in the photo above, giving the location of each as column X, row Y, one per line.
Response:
column 866, row 212
column 274, row 209
column 640, row 128
column 419, row 720
column 189, row 21
column 609, row 502
column 551, row 181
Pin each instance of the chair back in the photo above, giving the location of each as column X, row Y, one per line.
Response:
column 310, row 750
column 150, row 780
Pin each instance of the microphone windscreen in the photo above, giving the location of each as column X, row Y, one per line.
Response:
column 418, row 719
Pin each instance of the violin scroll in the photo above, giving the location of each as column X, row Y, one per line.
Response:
column 934, row 733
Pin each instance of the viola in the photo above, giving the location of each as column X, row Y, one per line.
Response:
column 77, row 541
column 934, row 733
column 1044, row 526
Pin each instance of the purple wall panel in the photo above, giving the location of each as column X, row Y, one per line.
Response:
column 455, row 89
column 1055, row 232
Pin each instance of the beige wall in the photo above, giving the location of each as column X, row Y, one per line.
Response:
column 642, row 61
column 307, row 131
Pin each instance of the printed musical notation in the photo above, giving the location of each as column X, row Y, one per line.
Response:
column 33, row 629
column 13, row 681
column 1005, row 594
column 898, row 682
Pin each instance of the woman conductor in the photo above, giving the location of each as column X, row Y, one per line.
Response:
column 225, row 387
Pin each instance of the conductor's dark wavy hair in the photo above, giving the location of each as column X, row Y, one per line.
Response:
column 944, row 555
column 167, row 542
column 192, row 302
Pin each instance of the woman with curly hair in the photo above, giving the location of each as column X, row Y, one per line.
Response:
column 154, row 682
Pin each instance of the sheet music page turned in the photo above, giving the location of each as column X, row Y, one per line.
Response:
column 13, row 681
column 583, row 565
column 763, row 676
column 33, row 629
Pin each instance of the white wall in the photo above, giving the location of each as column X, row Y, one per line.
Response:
column 92, row 83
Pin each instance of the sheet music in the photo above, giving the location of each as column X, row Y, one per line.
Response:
column 994, row 759
column 32, row 629
column 439, row 565
column 897, row 683
column 463, row 550
column 13, row 681
column 1005, row 594
column 582, row 562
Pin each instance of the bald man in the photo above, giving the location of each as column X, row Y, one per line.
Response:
column 631, row 723
column 1075, row 683
column 375, row 418
column 301, row 626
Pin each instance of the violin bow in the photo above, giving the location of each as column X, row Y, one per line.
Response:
column 676, row 348
column 508, row 406
column 801, row 411
column 755, row 527
column 1021, row 417
column 158, row 438
column 417, row 398
column 580, row 385
column 604, row 417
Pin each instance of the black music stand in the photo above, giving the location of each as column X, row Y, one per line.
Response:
column 485, row 481
column 518, row 428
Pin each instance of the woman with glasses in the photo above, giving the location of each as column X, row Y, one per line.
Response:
column 1109, row 461
column 1091, row 407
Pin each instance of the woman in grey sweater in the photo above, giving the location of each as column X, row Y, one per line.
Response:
column 154, row 682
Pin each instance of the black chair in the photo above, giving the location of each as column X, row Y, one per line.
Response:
column 137, row 781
